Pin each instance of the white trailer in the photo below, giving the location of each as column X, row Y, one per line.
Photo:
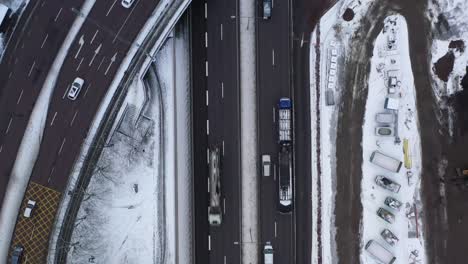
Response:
column 386, row 162
column 214, row 210
column 284, row 123
column 380, row 253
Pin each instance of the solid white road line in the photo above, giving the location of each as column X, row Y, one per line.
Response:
column 45, row 39
column 110, row 8
column 94, row 36
column 58, row 14
column 73, row 119
column 50, row 174
column 276, row 234
column 77, row 68
column 101, row 63
column 274, row 115
column 87, row 89
column 19, row 97
column 53, row 119
column 32, row 67
column 61, row 147
column 273, row 57
column 274, row 172
column 222, row 89
column 221, row 31
column 125, row 21
column 206, row 10
column 9, row 124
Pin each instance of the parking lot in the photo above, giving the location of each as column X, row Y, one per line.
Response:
column 33, row 233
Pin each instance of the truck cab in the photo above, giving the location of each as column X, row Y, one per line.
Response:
column 268, row 253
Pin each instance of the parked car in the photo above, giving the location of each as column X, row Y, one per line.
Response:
column 393, row 203
column 388, row 184
column 384, row 131
column 127, row 3
column 389, row 237
column 386, row 215
column 75, row 88
column 266, row 165
column 30, row 206
column 17, row 254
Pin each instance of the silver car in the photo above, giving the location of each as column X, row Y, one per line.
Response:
column 75, row 88
column 389, row 237
column 386, row 215
column 127, row 3
column 393, row 203
column 386, row 183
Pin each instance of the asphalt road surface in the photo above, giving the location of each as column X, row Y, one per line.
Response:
column 25, row 65
column 273, row 82
column 216, row 123
column 106, row 35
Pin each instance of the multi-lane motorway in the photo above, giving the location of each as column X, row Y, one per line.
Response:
column 273, row 82
column 216, row 124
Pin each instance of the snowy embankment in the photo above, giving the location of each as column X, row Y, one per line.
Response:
column 30, row 144
column 15, row 7
column 249, row 158
column 134, row 198
column 331, row 38
column 391, row 69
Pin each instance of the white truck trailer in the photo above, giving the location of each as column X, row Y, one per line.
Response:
column 380, row 253
column 214, row 210
column 385, row 161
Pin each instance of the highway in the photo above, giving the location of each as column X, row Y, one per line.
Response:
column 105, row 38
column 216, row 100
column 273, row 82
column 25, row 65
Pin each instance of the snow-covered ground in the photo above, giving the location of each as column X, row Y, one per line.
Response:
column 384, row 64
column 333, row 36
column 132, row 198
column 249, row 156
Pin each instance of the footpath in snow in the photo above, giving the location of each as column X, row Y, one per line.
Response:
column 391, row 92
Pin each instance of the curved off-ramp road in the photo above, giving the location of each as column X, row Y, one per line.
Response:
column 445, row 229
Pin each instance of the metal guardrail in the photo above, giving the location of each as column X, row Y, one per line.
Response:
column 63, row 244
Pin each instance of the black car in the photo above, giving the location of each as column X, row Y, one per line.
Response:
column 17, row 255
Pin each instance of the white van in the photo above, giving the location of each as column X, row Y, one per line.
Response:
column 268, row 253
column 380, row 253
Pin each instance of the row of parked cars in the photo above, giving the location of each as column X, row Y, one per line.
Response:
column 18, row 250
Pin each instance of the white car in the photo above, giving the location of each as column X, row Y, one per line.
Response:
column 266, row 165
column 29, row 208
column 127, row 3
column 75, row 88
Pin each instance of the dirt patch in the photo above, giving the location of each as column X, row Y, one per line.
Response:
column 348, row 14
column 444, row 66
column 458, row 45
